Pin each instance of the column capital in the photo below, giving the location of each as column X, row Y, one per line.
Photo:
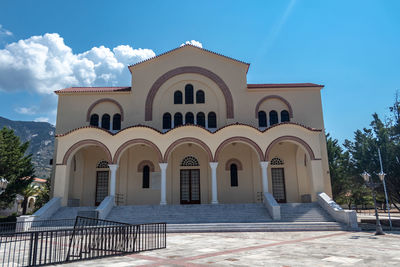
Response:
column 213, row 165
column 163, row 165
column 264, row 164
column 113, row 167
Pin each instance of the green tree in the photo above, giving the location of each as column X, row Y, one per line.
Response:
column 347, row 185
column 14, row 165
column 43, row 195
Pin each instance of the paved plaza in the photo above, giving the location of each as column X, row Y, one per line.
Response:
column 266, row 249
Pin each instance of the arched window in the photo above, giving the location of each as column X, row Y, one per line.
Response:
column 273, row 117
column 189, row 94
column 94, row 120
column 234, row 175
column 201, row 119
column 189, row 118
column 276, row 161
column 200, row 99
column 178, row 97
column 146, row 177
column 117, row 122
column 190, row 161
column 102, row 164
column 178, row 119
column 166, row 122
column 262, row 119
column 212, row 120
column 105, row 122
column 284, row 116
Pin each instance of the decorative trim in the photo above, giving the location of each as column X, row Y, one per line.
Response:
column 282, row 85
column 183, row 70
column 290, row 138
column 188, row 140
column 191, row 125
column 209, row 51
column 239, row 139
column 87, row 142
column 101, row 101
column 144, row 163
column 134, row 142
column 274, row 97
column 233, row 161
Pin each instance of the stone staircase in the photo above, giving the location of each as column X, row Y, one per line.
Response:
column 304, row 212
column 71, row 212
column 191, row 214
column 218, row 218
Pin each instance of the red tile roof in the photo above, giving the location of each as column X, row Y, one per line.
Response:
column 282, row 85
column 170, row 51
column 93, row 89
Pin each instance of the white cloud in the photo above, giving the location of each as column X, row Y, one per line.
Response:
column 45, row 63
column 41, row 119
column 5, row 31
column 193, row 42
column 26, row 110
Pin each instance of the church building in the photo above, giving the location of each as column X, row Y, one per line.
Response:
column 190, row 130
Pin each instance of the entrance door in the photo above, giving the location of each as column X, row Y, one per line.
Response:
column 190, row 186
column 101, row 186
column 278, row 185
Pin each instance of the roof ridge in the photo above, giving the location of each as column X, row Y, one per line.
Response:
column 201, row 48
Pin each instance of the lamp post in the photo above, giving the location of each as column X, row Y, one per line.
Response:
column 368, row 181
column 3, row 185
column 382, row 178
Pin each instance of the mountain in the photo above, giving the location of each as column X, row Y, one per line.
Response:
column 41, row 142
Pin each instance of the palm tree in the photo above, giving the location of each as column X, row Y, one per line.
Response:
column 29, row 191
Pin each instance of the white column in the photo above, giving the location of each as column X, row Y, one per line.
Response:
column 317, row 178
column 264, row 170
column 163, row 167
column 214, row 189
column 113, row 169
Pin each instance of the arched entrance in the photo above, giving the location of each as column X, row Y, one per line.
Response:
column 290, row 171
column 188, row 172
column 138, row 175
column 88, row 174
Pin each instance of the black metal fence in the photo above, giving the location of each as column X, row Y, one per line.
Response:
column 40, row 225
column 87, row 239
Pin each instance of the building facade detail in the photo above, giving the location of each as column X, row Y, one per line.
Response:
column 184, row 132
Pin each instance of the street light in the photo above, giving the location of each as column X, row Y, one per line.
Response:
column 368, row 181
column 382, row 178
column 3, row 185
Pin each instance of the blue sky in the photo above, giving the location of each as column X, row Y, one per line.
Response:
column 352, row 47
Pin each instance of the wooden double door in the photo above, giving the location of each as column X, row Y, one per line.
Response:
column 278, row 184
column 190, row 186
column 101, row 186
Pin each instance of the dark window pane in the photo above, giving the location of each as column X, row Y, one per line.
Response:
column 262, row 119
column 146, row 177
column 200, row 97
column 284, row 116
column 273, row 117
column 94, row 120
column 178, row 119
column 212, row 120
column 234, row 175
column 189, row 118
column 189, row 94
column 105, row 122
column 201, row 119
column 166, row 121
column 117, row 122
column 178, row 97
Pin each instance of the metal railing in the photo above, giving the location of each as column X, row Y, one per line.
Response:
column 40, row 225
column 87, row 239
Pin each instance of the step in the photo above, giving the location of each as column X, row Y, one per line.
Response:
column 255, row 227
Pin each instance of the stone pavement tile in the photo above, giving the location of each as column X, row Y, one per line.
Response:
column 256, row 249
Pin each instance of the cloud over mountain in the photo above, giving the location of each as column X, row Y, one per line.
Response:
column 45, row 63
